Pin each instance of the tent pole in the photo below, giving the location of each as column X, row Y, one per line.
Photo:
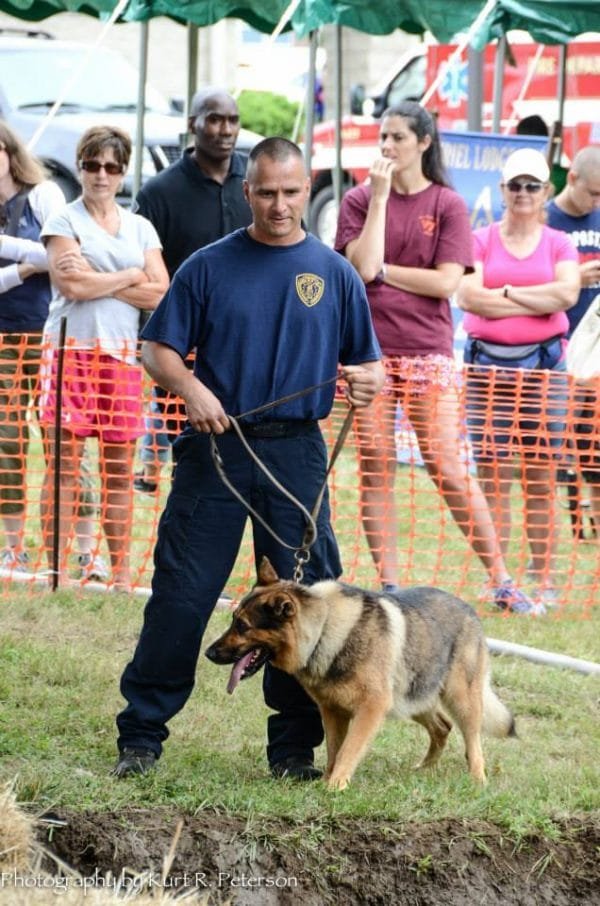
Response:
column 337, row 169
column 192, row 75
column 562, row 81
column 498, row 83
column 475, row 95
column 141, row 106
column 310, row 99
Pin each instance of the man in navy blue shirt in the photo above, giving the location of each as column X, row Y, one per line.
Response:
column 271, row 311
column 576, row 210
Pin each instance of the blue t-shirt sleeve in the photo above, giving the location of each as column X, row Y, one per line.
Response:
column 358, row 342
column 177, row 320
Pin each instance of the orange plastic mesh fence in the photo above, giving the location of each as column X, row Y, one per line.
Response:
column 419, row 501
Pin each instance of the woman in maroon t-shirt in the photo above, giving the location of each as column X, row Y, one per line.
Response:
column 408, row 235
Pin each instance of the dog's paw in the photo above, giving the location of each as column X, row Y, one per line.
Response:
column 427, row 764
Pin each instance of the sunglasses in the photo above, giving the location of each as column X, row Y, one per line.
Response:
column 94, row 166
column 531, row 187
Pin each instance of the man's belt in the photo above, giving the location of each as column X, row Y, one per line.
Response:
column 289, row 428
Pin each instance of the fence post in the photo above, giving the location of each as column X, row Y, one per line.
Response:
column 57, row 455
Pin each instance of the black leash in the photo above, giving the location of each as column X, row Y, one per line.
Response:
column 302, row 553
column 287, row 399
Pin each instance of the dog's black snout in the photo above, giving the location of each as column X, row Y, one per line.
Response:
column 211, row 654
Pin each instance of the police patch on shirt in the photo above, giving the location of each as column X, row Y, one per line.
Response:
column 310, row 288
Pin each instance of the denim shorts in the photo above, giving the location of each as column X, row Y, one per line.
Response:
column 517, row 411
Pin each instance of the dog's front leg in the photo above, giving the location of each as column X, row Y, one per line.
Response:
column 335, row 723
column 365, row 723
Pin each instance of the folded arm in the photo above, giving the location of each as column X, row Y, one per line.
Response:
column 29, row 257
column 540, row 299
column 147, row 295
column 76, row 279
column 24, row 251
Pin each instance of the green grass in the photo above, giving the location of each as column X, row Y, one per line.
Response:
column 62, row 657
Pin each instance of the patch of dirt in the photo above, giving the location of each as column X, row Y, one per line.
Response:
column 227, row 860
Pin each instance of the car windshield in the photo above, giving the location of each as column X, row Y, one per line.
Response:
column 95, row 79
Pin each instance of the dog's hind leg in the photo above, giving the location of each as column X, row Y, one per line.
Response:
column 335, row 724
column 438, row 726
column 364, row 724
column 464, row 701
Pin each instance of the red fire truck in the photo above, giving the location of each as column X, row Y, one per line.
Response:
column 530, row 86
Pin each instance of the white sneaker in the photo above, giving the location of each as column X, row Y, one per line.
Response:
column 92, row 568
column 547, row 595
column 14, row 560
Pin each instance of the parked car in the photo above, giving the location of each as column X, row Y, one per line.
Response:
column 95, row 85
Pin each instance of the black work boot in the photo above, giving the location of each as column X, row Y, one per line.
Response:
column 134, row 761
column 296, row 768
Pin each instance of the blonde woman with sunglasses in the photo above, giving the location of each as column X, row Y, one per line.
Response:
column 106, row 266
column 27, row 198
column 526, row 277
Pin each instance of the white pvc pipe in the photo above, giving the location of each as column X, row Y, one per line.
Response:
column 484, row 13
column 514, row 116
column 76, row 74
column 497, row 646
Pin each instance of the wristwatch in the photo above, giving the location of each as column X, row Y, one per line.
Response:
column 506, row 290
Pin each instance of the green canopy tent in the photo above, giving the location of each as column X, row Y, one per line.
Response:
column 36, row 10
column 547, row 21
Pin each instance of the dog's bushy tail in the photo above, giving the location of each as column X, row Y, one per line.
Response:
column 497, row 719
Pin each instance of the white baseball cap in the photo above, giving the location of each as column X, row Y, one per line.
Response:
column 526, row 162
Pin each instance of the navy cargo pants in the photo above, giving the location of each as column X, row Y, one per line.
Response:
column 199, row 537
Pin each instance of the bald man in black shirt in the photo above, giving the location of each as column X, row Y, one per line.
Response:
column 192, row 203
column 199, row 198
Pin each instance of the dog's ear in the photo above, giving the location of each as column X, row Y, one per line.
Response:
column 283, row 607
column 266, row 573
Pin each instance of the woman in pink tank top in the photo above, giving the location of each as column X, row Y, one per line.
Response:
column 526, row 276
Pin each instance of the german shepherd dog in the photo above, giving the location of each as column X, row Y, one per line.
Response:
column 361, row 656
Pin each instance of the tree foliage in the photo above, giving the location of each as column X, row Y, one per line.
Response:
column 268, row 113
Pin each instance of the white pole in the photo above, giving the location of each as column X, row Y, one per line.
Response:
column 497, row 646
column 76, row 75
column 285, row 18
column 524, row 88
column 141, row 110
column 487, row 9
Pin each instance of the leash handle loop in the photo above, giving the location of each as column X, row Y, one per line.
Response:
column 220, row 466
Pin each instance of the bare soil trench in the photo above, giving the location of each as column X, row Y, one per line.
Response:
column 453, row 863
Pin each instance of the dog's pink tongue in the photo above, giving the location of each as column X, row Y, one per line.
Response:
column 238, row 670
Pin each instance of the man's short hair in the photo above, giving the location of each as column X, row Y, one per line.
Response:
column 276, row 148
column 586, row 163
column 199, row 102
